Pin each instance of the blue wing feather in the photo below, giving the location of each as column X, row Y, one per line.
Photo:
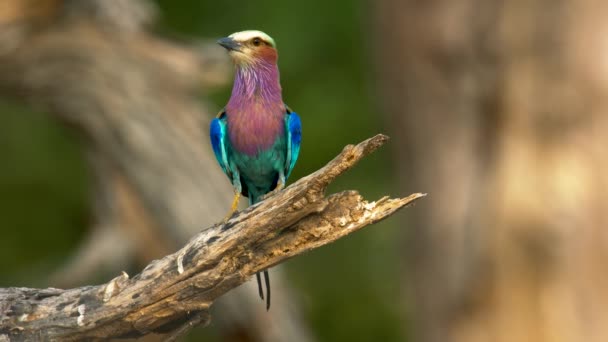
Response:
column 294, row 138
column 217, row 132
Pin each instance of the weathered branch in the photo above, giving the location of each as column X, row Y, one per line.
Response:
column 171, row 291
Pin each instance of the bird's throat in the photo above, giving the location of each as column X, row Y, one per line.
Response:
column 257, row 82
column 255, row 109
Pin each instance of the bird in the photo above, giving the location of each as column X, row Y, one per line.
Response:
column 256, row 137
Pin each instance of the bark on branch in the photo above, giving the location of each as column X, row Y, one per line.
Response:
column 170, row 292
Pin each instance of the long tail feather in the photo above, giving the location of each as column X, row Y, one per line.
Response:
column 253, row 199
column 257, row 275
column 267, row 279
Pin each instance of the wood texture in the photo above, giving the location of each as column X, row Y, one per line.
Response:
column 136, row 101
column 171, row 291
column 500, row 106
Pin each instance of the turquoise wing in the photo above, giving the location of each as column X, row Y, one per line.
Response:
column 217, row 132
column 293, row 127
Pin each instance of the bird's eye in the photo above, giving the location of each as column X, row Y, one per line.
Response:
column 257, row 41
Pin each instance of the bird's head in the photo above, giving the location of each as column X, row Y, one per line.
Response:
column 247, row 48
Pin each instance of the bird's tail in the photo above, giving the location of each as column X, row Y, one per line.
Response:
column 253, row 199
column 267, row 280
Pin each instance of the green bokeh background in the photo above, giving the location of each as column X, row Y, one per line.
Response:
column 351, row 289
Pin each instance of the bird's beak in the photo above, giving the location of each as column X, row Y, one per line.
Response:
column 229, row 44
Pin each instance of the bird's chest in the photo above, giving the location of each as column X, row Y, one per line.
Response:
column 256, row 130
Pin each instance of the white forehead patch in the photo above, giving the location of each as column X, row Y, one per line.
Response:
column 249, row 34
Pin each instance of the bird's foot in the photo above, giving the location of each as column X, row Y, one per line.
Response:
column 234, row 207
column 280, row 186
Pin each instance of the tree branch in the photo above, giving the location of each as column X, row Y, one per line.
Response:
column 172, row 291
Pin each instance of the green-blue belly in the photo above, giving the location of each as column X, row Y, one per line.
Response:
column 259, row 172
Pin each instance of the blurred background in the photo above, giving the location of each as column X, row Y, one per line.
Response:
column 495, row 108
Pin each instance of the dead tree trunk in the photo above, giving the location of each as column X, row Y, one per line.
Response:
column 501, row 108
column 175, row 293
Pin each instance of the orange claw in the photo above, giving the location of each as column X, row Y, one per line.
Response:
column 234, row 207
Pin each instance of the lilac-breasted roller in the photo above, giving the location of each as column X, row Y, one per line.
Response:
column 256, row 137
